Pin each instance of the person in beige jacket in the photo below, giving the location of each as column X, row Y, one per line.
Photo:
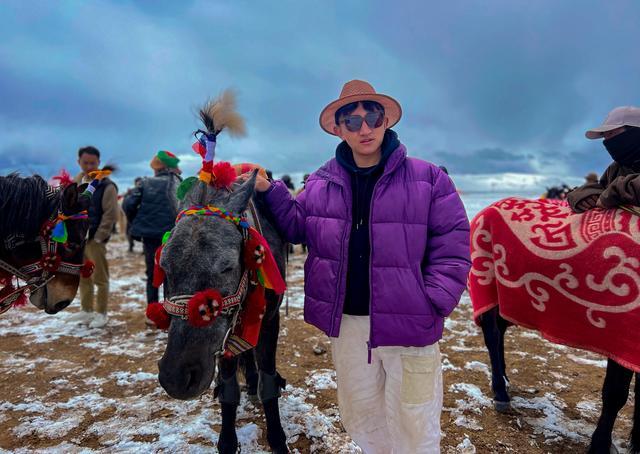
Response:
column 103, row 215
column 620, row 182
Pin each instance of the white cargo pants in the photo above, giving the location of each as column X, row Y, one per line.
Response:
column 392, row 405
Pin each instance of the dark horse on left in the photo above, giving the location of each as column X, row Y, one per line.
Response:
column 206, row 252
column 29, row 209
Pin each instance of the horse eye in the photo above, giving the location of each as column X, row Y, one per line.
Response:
column 227, row 270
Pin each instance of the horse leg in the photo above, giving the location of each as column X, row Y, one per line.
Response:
column 270, row 382
column 502, row 327
column 228, row 393
column 248, row 366
column 615, row 392
column 634, row 446
column 494, row 340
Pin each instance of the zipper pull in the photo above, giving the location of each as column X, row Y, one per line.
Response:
column 368, row 352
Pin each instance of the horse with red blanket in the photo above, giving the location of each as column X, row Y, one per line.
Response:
column 573, row 277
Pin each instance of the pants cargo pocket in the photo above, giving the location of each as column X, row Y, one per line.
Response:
column 418, row 373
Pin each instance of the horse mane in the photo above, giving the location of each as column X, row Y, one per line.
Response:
column 25, row 203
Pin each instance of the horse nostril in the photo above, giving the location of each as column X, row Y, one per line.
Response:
column 61, row 305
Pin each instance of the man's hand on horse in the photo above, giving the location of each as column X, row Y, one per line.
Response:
column 262, row 184
column 588, row 203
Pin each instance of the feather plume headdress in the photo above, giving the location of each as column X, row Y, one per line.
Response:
column 217, row 116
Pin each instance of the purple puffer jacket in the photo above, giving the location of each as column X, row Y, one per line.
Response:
column 419, row 235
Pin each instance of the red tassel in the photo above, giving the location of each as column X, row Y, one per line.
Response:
column 224, row 175
column 158, row 273
column 8, row 289
column 204, row 307
column 22, row 300
column 250, row 322
column 87, row 269
column 159, row 316
column 252, row 315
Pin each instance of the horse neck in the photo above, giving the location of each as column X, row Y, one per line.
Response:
column 25, row 204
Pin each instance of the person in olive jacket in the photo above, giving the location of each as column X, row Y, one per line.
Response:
column 620, row 182
column 153, row 207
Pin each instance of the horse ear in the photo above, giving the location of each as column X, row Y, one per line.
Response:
column 240, row 197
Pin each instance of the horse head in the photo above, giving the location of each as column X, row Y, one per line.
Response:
column 203, row 253
column 61, row 288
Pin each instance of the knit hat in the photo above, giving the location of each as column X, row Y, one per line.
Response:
column 164, row 159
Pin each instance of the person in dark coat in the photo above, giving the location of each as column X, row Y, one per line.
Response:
column 153, row 208
column 620, row 182
column 136, row 184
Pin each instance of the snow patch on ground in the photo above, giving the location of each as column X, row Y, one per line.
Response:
column 322, row 379
column 602, row 363
column 478, row 366
column 552, row 423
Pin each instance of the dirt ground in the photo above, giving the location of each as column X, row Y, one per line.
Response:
column 556, row 389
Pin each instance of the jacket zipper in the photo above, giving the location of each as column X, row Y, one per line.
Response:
column 373, row 196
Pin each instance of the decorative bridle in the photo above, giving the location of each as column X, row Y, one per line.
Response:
column 247, row 304
column 52, row 234
column 37, row 274
column 209, row 303
column 202, row 308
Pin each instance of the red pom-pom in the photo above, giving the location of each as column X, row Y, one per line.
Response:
column 224, row 175
column 63, row 179
column 159, row 316
column 87, row 269
column 50, row 262
column 254, row 254
column 204, row 307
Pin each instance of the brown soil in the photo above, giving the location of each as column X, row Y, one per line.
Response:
column 535, row 366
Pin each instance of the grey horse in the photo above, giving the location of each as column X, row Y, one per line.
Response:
column 206, row 252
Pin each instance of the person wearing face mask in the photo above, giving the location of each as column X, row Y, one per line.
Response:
column 620, row 182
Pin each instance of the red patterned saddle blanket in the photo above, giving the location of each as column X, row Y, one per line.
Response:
column 573, row 277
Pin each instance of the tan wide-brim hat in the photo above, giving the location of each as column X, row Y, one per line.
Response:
column 359, row 90
column 618, row 117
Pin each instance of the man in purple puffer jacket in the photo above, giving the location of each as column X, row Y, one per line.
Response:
column 388, row 241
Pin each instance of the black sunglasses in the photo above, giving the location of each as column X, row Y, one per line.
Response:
column 354, row 122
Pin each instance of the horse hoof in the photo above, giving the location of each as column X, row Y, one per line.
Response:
column 502, row 407
column 282, row 450
column 253, row 398
column 613, row 449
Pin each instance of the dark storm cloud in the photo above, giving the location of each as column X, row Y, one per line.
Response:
column 486, row 86
column 487, row 160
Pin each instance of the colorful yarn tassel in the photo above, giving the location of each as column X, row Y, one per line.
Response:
column 59, row 233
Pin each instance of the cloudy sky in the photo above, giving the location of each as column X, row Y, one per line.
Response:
column 487, row 87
